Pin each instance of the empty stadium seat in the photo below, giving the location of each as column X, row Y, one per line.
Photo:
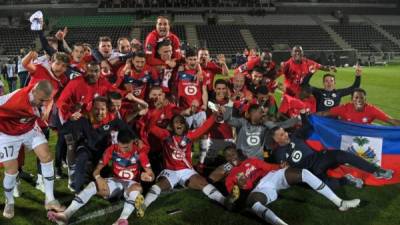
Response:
column 309, row 36
column 362, row 37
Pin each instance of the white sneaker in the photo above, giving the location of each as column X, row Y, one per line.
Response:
column 16, row 191
column 36, row 20
column 348, row 204
column 8, row 211
column 40, row 183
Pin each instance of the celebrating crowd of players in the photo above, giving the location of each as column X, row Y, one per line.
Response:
column 130, row 116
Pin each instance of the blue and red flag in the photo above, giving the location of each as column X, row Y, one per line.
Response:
column 378, row 144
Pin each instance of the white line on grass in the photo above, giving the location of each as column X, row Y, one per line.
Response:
column 110, row 209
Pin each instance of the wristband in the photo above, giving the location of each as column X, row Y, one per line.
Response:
column 97, row 176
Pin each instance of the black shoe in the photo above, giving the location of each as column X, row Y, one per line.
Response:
column 59, row 174
column 28, row 177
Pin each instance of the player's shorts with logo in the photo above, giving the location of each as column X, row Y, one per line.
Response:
column 175, row 177
column 10, row 145
column 271, row 183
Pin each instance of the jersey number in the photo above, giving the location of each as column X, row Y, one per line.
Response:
column 8, row 152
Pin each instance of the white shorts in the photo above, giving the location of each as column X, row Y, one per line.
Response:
column 215, row 146
column 175, row 177
column 271, row 183
column 10, row 145
column 196, row 119
column 118, row 187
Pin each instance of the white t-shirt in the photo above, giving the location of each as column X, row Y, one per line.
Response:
column 11, row 70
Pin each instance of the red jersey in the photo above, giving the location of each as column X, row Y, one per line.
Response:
column 291, row 106
column 220, row 129
column 78, row 96
column 17, row 115
column 252, row 169
column 295, row 73
column 256, row 61
column 43, row 73
column 210, row 70
column 141, row 80
column 161, row 117
column 189, row 88
column 367, row 116
column 150, row 45
column 177, row 150
column 125, row 165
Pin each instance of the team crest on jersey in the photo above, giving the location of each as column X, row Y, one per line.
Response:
column 368, row 148
column 333, row 95
column 365, row 119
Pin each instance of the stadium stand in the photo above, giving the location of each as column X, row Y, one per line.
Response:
column 91, row 34
column 363, row 37
column 279, row 20
column 310, row 37
column 189, row 19
column 221, row 38
column 94, row 21
column 12, row 39
column 392, row 29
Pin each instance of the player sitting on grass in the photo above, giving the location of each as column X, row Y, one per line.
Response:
column 125, row 157
column 177, row 152
column 265, row 180
column 293, row 151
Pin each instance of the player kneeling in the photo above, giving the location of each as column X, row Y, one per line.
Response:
column 177, row 151
column 268, row 179
column 125, row 158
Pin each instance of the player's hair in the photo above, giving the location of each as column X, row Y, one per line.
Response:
column 61, row 56
column 328, row 75
column 359, row 90
column 221, row 81
column 87, row 45
column 266, row 51
column 270, row 137
column 202, row 49
column 165, row 42
column 181, row 118
column 100, row 99
column 190, row 52
column 78, row 44
column 104, row 39
column 297, row 46
column 259, row 69
column 114, row 95
column 163, row 17
column 239, row 151
column 93, row 63
column 229, row 147
column 125, row 136
column 262, row 90
column 156, row 88
column 45, row 86
column 122, row 38
column 253, row 107
column 139, row 53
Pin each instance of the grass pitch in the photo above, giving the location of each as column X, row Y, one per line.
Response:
column 300, row 206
